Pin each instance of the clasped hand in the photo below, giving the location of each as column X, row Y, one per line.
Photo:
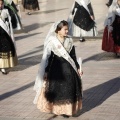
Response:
column 80, row 72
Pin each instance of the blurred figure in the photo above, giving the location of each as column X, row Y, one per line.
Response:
column 30, row 5
column 8, row 57
column 109, row 3
column 17, row 4
column 16, row 1
column 111, row 36
column 81, row 20
column 15, row 19
column 13, row 3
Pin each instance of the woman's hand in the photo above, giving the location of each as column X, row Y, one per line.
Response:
column 80, row 72
column 45, row 76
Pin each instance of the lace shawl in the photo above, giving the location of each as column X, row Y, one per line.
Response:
column 44, row 62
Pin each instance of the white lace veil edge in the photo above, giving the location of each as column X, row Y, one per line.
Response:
column 39, row 79
column 51, row 32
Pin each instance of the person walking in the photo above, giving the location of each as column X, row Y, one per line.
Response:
column 58, row 83
column 81, row 20
column 111, row 35
column 109, row 3
column 30, row 5
column 15, row 19
column 8, row 56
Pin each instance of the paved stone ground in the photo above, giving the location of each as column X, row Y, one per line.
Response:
column 101, row 79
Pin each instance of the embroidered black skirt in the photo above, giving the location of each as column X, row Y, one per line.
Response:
column 82, row 18
column 116, row 30
column 8, row 57
column 63, row 85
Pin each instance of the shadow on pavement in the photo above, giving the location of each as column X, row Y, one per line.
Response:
column 11, row 93
column 35, row 26
column 101, row 57
column 51, row 118
column 95, row 96
column 49, row 11
column 24, row 63
column 26, row 36
column 29, row 59
column 27, row 62
column 33, row 52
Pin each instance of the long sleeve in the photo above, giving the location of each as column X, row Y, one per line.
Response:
column 73, row 56
column 50, row 60
column 90, row 9
column 73, row 9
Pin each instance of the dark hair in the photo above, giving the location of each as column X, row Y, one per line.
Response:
column 61, row 25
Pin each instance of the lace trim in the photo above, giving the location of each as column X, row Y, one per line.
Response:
column 68, row 101
column 60, row 102
column 6, row 55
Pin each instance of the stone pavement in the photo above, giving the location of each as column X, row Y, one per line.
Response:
column 101, row 79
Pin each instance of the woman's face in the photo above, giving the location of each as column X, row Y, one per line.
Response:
column 118, row 2
column 64, row 31
column 1, row 3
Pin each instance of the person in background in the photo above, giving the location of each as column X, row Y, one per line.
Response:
column 30, row 5
column 15, row 19
column 8, row 56
column 109, row 3
column 111, row 35
column 81, row 20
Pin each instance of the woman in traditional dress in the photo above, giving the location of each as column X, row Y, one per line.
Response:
column 81, row 20
column 30, row 5
column 58, row 83
column 8, row 57
column 111, row 35
column 15, row 19
column 13, row 3
column 109, row 3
